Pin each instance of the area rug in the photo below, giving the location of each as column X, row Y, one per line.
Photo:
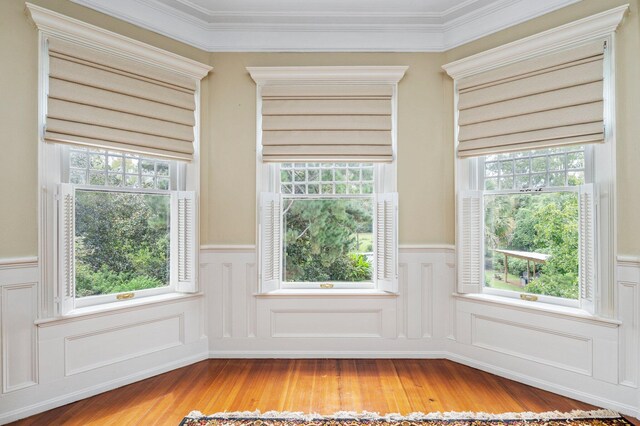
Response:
column 343, row 418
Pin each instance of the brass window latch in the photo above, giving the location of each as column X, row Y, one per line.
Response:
column 528, row 297
column 327, row 285
column 125, row 296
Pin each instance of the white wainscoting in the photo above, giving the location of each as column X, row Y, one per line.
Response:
column 242, row 324
column 54, row 363
column 591, row 360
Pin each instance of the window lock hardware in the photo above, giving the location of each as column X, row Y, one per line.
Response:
column 326, row 285
column 125, row 296
column 529, row 297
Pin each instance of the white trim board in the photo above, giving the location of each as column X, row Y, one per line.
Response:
column 328, row 31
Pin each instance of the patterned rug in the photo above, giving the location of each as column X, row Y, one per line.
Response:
column 275, row 418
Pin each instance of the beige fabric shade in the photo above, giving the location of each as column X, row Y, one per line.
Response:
column 541, row 102
column 327, row 122
column 100, row 100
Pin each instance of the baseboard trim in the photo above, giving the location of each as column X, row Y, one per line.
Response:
column 628, row 410
column 97, row 389
column 329, row 354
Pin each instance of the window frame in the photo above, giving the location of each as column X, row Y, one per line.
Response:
column 336, row 285
column 268, row 181
column 51, row 169
column 81, row 302
column 588, row 175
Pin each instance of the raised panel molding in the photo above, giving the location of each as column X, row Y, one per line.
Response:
column 92, row 350
column 544, row 346
column 19, row 336
column 326, row 323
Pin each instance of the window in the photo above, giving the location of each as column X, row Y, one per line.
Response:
column 531, row 222
column 326, row 177
column 118, row 213
column 328, row 216
column 329, row 227
column 535, row 170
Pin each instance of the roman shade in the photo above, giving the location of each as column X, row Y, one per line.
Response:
column 102, row 100
column 327, row 122
column 547, row 101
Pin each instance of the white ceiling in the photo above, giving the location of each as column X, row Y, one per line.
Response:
column 325, row 25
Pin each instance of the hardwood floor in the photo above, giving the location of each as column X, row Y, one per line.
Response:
column 311, row 385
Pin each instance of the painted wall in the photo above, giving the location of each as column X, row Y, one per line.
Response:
column 627, row 96
column 19, row 112
column 425, row 149
column 425, row 154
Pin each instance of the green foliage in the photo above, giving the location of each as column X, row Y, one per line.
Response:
column 541, row 223
column 122, row 242
column 322, row 239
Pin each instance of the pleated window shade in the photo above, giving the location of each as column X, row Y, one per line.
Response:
column 327, row 122
column 543, row 102
column 101, row 100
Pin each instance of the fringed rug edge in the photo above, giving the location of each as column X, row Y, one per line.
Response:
column 450, row 415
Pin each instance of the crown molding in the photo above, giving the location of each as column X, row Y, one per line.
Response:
column 54, row 24
column 589, row 28
column 350, row 74
column 326, row 31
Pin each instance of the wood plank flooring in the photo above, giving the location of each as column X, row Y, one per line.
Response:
column 311, row 385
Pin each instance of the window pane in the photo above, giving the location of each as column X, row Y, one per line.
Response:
column 117, row 169
column 122, row 242
column 540, row 235
column 328, row 240
column 327, row 178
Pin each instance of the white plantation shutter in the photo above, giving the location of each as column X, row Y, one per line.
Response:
column 270, row 240
column 470, row 242
column 587, row 246
column 66, row 248
column 183, row 241
column 387, row 241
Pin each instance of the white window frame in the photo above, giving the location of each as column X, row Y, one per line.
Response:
column 50, row 167
column 600, row 26
column 477, row 166
column 382, row 178
column 267, row 176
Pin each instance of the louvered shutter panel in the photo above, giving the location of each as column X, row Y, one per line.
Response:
column 587, row 247
column 270, row 241
column 387, row 242
column 66, row 248
column 470, row 241
column 183, row 265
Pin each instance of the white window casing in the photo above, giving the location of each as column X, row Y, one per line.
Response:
column 270, row 241
column 587, row 247
column 183, row 241
column 386, row 232
column 470, row 241
column 66, row 249
column 64, row 101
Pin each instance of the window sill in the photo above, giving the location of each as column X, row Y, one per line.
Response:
column 116, row 307
column 347, row 292
column 539, row 307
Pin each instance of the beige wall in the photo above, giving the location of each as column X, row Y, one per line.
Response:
column 19, row 113
column 627, row 97
column 425, row 157
column 425, row 147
